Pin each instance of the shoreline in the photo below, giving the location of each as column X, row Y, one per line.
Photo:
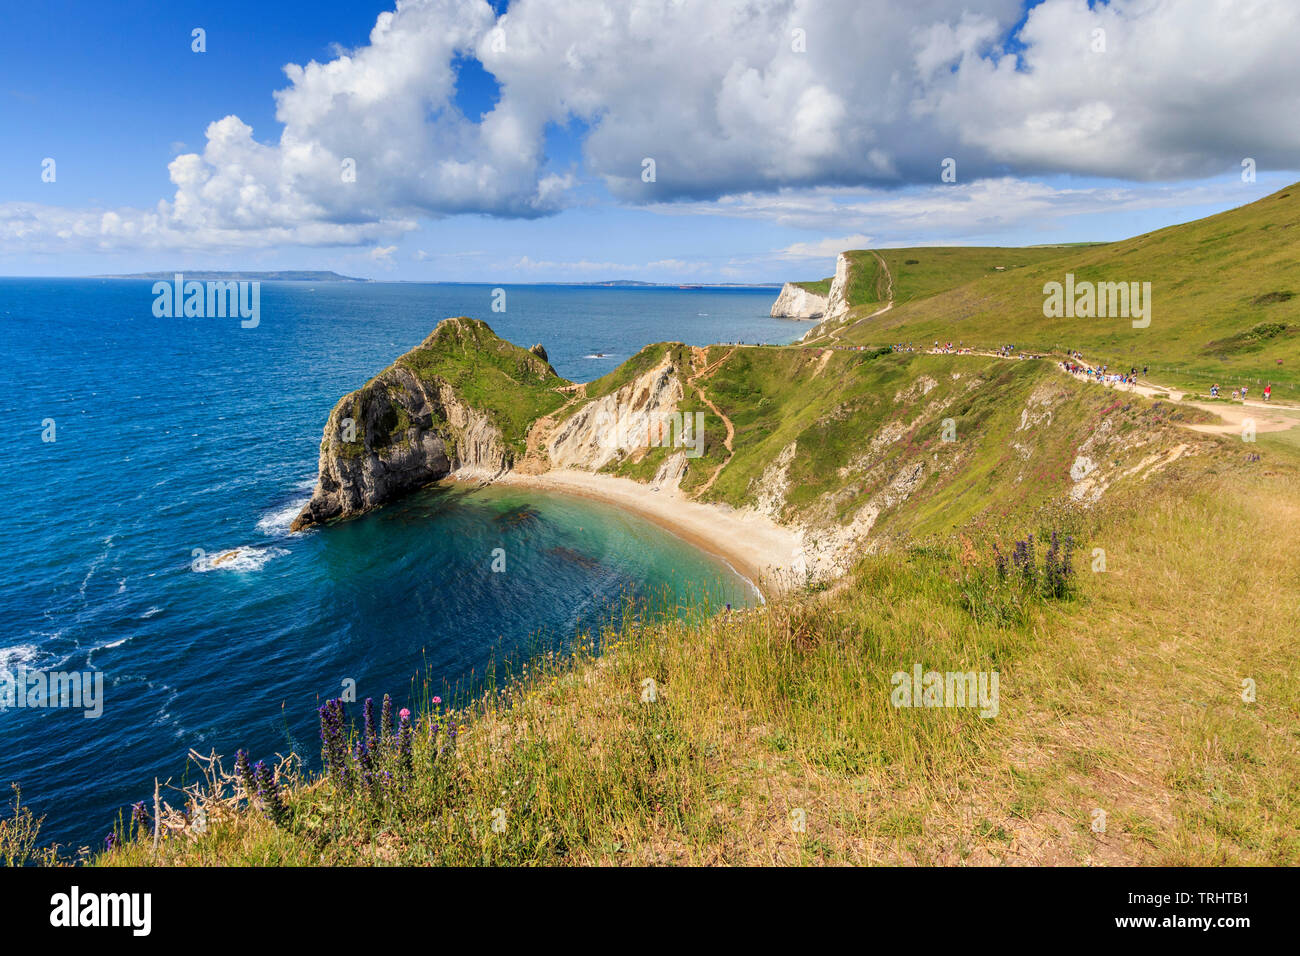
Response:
column 753, row 545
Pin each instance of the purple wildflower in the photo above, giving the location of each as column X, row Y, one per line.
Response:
column 140, row 819
column 269, row 793
column 334, row 747
column 386, row 721
column 371, row 734
column 244, row 773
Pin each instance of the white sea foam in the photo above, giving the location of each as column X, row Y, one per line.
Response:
column 94, row 566
column 238, row 559
column 276, row 523
column 11, row 657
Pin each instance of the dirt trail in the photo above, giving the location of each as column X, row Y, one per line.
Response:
column 536, row 460
column 1267, row 416
column 701, row 355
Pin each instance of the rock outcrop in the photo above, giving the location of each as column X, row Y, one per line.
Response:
column 618, row 422
column 796, row 302
column 410, row 426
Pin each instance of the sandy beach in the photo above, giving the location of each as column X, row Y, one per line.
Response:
column 756, row 546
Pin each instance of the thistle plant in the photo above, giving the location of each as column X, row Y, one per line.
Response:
column 404, row 736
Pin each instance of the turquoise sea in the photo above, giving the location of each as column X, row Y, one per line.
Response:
column 177, row 435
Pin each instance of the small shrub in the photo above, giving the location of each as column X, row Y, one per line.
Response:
column 19, row 832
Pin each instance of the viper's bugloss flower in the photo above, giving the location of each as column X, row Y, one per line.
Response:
column 244, row 773
column 139, row 818
column 334, row 745
column 371, row 734
column 269, row 793
column 110, row 841
column 999, row 563
column 386, row 721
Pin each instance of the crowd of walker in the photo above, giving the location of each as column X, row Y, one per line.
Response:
column 1075, row 365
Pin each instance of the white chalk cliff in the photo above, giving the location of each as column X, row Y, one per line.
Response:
column 796, row 302
column 837, row 303
column 590, row 438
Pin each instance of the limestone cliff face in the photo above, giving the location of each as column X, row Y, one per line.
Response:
column 400, row 431
column 393, row 436
column 837, row 303
column 796, row 302
column 619, row 422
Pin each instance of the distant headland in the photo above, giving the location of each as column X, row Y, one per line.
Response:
column 289, row 275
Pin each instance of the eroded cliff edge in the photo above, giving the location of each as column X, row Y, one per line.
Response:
column 796, row 302
column 459, row 403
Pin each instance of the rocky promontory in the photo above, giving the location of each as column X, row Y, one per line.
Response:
column 459, row 403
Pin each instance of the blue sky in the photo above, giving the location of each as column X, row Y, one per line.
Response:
column 769, row 158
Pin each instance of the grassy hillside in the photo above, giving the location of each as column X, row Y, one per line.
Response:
column 1225, row 297
column 821, row 287
column 513, row 386
column 640, row 363
column 853, row 422
column 922, row 272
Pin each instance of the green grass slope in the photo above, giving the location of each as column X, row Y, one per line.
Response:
column 1225, row 298
column 821, row 287
column 513, row 386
